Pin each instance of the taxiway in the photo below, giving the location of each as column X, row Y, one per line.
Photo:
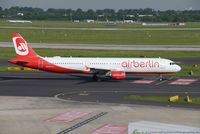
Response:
column 33, row 102
column 83, row 88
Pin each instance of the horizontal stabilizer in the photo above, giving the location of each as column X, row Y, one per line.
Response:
column 19, row 62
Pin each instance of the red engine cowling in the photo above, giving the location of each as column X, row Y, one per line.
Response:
column 118, row 75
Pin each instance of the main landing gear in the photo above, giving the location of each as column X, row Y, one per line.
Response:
column 96, row 78
column 161, row 78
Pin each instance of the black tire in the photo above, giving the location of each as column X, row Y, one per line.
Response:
column 96, row 78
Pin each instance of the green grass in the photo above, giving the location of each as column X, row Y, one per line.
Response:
column 195, row 100
column 6, row 53
column 161, row 37
column 105, row 37
column 186, row 70
column 3, row 68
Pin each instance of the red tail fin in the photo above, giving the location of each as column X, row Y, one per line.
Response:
column 22, row 49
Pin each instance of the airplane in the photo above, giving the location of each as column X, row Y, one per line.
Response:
column 115, row 68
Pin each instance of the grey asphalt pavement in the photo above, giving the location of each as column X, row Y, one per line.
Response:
column 82, row 88
column 110, row 47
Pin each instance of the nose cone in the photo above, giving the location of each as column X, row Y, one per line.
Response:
column 178, row 68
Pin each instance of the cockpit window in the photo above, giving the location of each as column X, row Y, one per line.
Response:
column 172, row 63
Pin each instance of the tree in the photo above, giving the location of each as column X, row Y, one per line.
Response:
column 91, row 14
column 121, row 14
column 30, row 13
column 79, row 14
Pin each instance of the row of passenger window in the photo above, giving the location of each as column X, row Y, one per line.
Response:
column 91, row 63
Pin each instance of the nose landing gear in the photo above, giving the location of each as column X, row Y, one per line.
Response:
column 160, row 77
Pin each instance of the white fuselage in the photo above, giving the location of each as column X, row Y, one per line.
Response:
column 128, row 65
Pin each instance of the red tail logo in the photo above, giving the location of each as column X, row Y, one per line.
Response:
column 21, row 47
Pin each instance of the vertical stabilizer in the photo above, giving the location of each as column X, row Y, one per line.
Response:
column 22, row 49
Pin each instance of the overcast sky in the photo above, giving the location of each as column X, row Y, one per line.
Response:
column 102, row 4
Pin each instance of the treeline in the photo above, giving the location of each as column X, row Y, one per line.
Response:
column 146, row 15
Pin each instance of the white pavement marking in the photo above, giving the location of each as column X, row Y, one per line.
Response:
column 111, row 129
column 163, row 81
column 183, row 82
column 143, row 81
column 68, row 116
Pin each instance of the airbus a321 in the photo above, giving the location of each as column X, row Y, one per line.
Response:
column 115, row 68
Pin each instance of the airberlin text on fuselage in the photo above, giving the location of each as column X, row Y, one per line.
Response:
column 140, row 64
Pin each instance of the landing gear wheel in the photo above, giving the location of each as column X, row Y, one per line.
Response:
column 161, row 78
column 96, row 78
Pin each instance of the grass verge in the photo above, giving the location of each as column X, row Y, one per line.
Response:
column 146, row 37
column 6, row 53
column 3, row 68
column 195, row 100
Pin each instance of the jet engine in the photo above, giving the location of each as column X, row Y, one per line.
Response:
column 118, row 75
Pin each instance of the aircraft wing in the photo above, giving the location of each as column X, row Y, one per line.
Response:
column 104, row 70
column 99, row 70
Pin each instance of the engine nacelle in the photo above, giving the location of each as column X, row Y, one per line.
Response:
column 118, row 75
